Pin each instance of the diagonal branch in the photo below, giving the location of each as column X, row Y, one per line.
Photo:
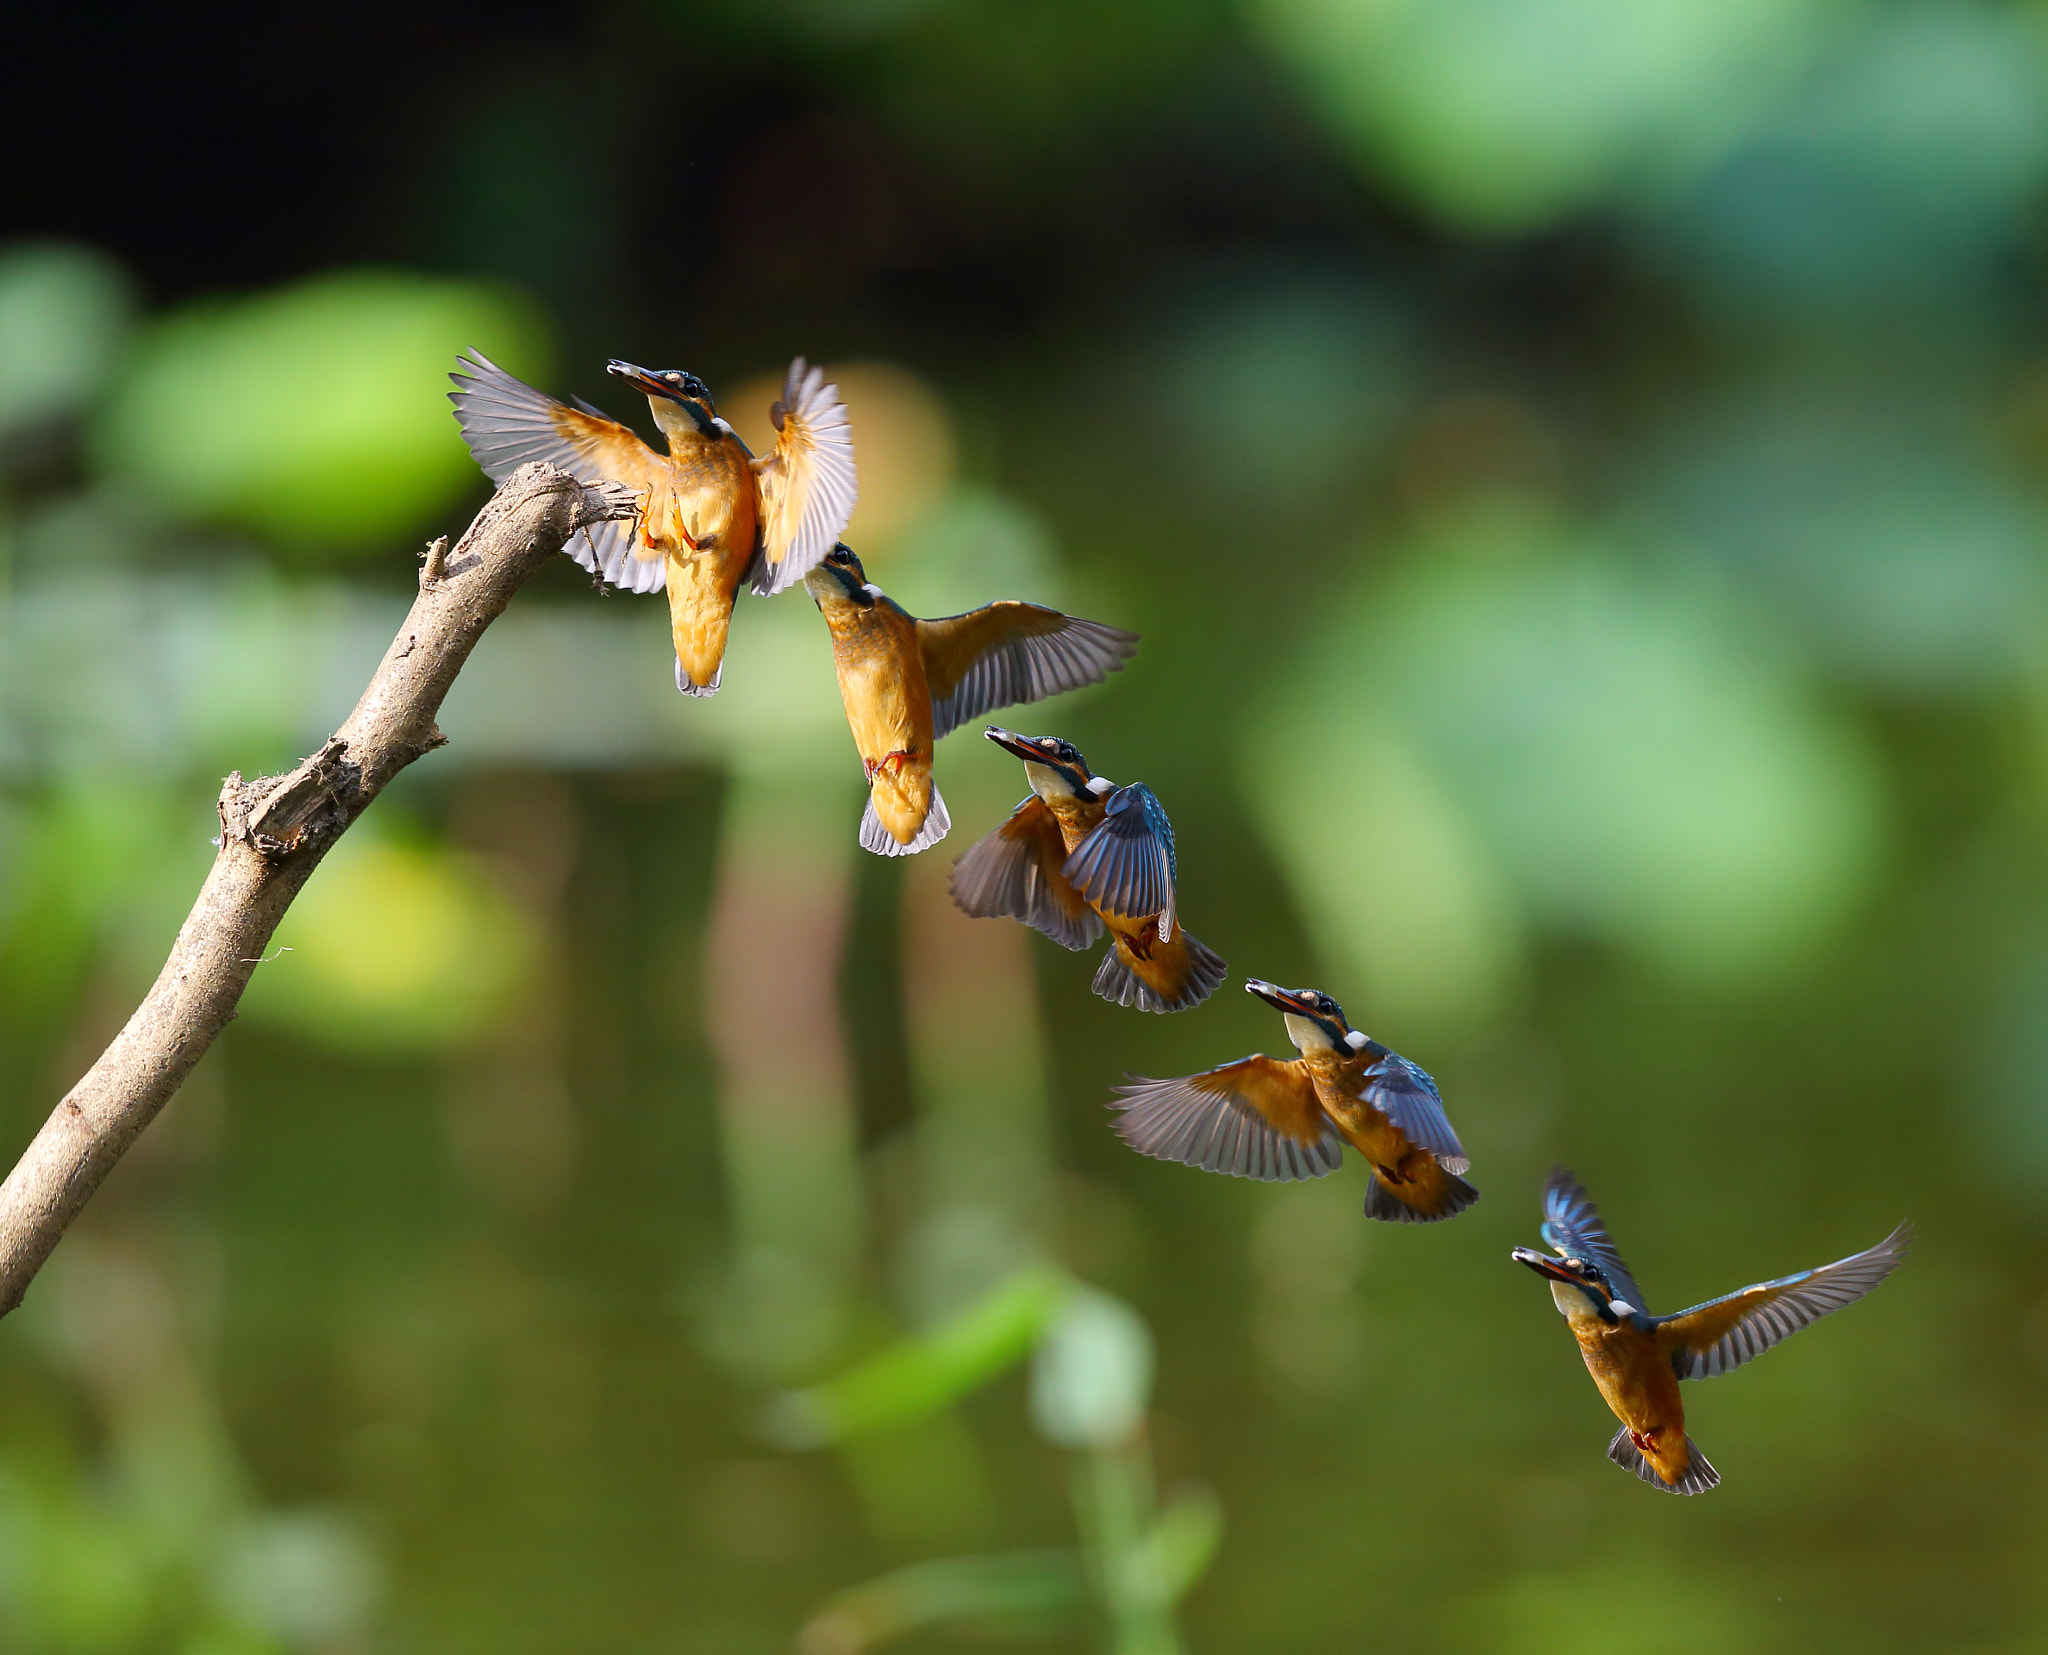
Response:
column 274, row 831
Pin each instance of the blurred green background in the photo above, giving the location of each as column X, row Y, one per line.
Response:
column 1581, row 471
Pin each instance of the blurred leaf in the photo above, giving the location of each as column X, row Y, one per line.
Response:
column 316, row 414
column 65, row 311
column 1016, row 1585
column 1177, row 1549
column 1508, row 114
column 393, row 947
column 929, row 1371
column 1884, row 523
column 1608, row 740
column 1091, row 1376
column 1405, row 892
column 1281, row 383
column 1909, row 163
column 308, row 1576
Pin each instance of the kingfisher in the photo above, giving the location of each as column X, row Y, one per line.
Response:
column 1638, row 1359
column 1281, row 1120
column 710, row 514
column 1082, row 855
column 907, row 682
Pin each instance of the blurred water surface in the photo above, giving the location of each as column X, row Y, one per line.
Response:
column 1579, row 469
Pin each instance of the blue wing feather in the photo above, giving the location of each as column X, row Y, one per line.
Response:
column 1571, row 1224
column 1126, row 865
column 1407, row 1096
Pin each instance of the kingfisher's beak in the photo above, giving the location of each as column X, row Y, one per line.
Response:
column 1544, row 1265
column 642, row 378
column 1023, row 747
column 1280, row 999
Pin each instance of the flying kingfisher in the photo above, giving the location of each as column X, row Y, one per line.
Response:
column 1081, row 855
column 1638, row 1359
column 710, row 514
column 1264, row 1118
column 906, row 682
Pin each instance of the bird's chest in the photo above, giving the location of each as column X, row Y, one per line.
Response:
column 882, row 683
column 1338, row 1082
column 705, row 496
column 1633, row 1375
column 1077, row 818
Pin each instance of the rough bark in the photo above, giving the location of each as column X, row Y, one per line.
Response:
column 274, row 831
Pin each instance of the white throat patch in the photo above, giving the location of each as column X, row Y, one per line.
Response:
column 1099, row 785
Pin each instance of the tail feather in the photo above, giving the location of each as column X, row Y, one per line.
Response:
column 1184, row 973
column 1454, row 1196
column 1699, row 1474
column 690, row 687
column 875, row 837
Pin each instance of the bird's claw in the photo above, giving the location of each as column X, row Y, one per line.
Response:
column 899, row 758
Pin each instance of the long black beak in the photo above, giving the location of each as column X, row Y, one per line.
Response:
column 1544, row 1265
column 1280, row 999
column 1023, row 747
column 640, row 377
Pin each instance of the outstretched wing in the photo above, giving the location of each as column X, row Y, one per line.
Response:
column 1405, row 1094
column 1126, row 864
column 1008, row 653
column 1255, row 1118
column 1724, row 1333
column 1014, row 873
column 806, row 482
column 1571, row 1224
column 507, row 424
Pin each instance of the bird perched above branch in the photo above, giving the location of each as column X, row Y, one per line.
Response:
column 1081, row 855
column 1279, row 1121
column 1638, row 1359
column 907, row 682
column 710, row 514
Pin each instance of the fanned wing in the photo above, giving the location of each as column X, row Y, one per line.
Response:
column 1126, row 864
column 1406, row 1095
column 1014, row 873
column 1008, row 653
column 1255, row 1118
column 507, row 424
column 1724, row 1333
column 806, row 482
column 1571, row 1224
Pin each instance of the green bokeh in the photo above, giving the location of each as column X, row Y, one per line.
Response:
column 312, row 415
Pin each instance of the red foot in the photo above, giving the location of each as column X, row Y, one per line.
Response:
column 899, row 758
column 1645, row 1441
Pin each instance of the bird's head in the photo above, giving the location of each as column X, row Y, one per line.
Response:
column 1314, row 1020
column 681, row 401
column 839, row 578
column 1056, row 768
column 1579, row 1287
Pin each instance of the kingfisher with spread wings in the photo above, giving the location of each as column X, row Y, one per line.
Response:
column 710, row 514
column 1638, row 1359
column 907, row 682
column 1279, row 1121
column 1081, row 856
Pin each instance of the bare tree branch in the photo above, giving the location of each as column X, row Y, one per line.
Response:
column 274, row 831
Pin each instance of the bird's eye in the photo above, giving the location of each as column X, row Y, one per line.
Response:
column 1325, row 1004
column 1066, row 752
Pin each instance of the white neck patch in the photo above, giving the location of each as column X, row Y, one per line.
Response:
column 872, row 590
column 1099, row 785
column 1355, row 1041
column 1621, row 1307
